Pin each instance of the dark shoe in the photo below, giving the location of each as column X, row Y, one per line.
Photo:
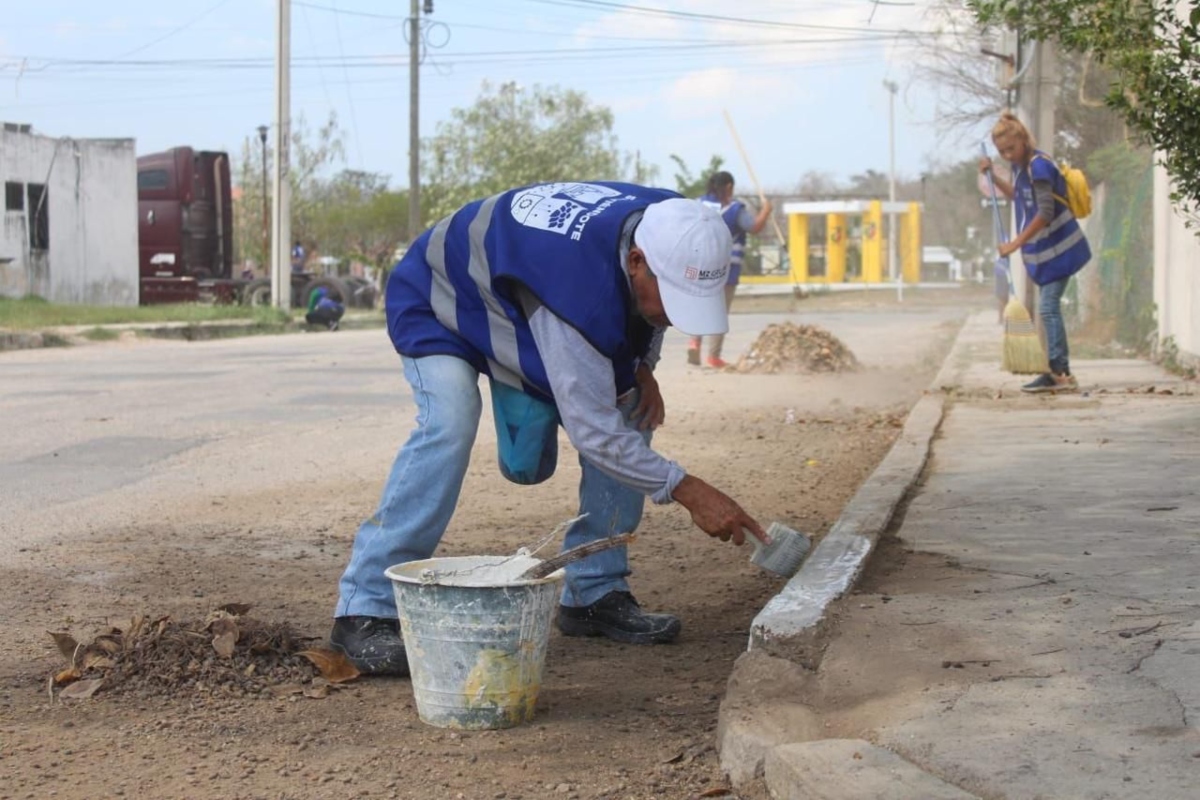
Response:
column 694, row 356
column 1042, row 383
column 372, row 644
column 618, row 616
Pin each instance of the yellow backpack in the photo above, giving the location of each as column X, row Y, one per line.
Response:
column 1079, row 194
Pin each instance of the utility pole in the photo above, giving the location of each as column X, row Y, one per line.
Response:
column 892, row 88
column 281, row 228
column 414, row 107
column 266, row 203
column 1035, row 106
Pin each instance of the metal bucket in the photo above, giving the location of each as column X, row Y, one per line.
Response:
column 476, row 636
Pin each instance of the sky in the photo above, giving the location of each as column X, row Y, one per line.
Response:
column 802, row 80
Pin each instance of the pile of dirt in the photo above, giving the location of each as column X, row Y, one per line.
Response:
column 226, row 653
column 792, row 349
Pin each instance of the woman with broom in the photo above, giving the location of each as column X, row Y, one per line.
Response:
column 1051, row 241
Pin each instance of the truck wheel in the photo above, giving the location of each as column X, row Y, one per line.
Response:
column 334, row 288
column 257, row 293
column 363, row 293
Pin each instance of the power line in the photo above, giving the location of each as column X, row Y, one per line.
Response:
column 693, row 15
column 172, row 32
column 392, row 60
column 337, row 27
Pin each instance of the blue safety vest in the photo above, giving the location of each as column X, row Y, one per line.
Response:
column 1060, row 249
column 453, row 291
column 730, row 214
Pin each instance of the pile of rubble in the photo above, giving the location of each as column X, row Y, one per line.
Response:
column 797, row 349
column 227, row 653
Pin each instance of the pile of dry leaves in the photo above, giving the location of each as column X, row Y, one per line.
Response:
column 791, row 348
column 226, row 653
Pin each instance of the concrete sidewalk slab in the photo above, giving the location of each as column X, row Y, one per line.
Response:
column 864, row 772
column 1043, row 642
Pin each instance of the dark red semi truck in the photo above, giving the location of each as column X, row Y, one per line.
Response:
column 185, row 237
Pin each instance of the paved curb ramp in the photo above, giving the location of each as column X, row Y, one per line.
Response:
column 764, row 733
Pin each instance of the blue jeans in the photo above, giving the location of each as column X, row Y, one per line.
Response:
column 1050, row 309
column 423, row 486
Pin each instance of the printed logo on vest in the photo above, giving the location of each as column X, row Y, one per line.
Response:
column 561, row 207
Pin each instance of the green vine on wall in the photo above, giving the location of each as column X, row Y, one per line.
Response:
column 1124, row 254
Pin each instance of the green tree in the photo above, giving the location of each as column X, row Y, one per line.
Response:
column 312, row 155
column 359, row 217
column 1153, row 51
column 694, row 186
column 513, row 136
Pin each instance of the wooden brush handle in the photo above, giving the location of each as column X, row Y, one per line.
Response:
column 574, row 554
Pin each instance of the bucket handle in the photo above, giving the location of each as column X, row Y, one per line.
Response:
column 544, row 568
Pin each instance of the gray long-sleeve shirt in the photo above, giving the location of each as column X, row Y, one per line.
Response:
column 585, row 389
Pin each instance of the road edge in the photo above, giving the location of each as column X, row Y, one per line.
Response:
column 788, row 635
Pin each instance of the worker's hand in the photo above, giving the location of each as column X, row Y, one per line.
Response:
column 651, row 411
column 766, row 204
column 1007, row 249
column 985, row 164
column 716, row 513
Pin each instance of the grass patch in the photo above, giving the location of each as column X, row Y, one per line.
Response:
column 31, row 313
column 101, row 334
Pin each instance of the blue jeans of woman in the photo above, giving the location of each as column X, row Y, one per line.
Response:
column 1050, row 310
column 423, row 487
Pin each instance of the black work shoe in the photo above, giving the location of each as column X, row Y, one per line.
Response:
column 618, row 616
column 372, row 644
column 1042, row 383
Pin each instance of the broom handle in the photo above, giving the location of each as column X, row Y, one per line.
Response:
column 1001, row 234
column 762, row 198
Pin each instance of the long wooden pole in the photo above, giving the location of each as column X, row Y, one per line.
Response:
column 754, row 178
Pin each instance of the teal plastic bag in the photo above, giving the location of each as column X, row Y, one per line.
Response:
column 526, row 435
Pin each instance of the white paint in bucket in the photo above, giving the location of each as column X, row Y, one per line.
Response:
column 476, row 634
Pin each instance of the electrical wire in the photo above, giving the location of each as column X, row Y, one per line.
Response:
column 337, row 28
column 700, row 17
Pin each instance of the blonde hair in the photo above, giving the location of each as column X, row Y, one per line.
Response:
column 1008, row 126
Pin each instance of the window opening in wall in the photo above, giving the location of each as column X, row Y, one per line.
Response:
column 155, row 179
column 14, row 196
column 39, row 216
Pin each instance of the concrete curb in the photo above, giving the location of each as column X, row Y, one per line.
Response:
column 790, row 625
column 787, row 636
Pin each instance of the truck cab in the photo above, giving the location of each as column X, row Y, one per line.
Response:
column 185, row 226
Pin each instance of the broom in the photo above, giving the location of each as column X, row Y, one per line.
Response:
column 1022, row 352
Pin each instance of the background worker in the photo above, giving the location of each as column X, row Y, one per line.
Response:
column 560, row 294
column 1052, row 244
column 737, row 216
column 324, row 310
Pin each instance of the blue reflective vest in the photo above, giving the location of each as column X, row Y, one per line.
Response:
column 730, row 214
column 453, row 292
column 1060, row 249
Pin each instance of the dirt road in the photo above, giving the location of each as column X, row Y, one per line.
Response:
column 165, row 478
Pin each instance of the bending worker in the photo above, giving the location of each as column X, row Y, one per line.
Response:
column 560, row 293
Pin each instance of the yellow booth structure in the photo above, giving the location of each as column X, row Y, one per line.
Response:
column 846, row 242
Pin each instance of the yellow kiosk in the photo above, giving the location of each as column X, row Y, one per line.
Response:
column 845, row 242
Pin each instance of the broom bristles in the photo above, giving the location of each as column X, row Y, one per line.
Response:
column 1023, row 353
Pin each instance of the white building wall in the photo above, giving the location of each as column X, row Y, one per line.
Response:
column 1176, row 272
column 92, row 256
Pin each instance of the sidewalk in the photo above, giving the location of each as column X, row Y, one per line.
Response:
column 1031, row 629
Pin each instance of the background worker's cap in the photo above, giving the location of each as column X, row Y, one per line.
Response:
column 687, row 246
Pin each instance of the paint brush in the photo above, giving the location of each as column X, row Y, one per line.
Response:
column 782, row 551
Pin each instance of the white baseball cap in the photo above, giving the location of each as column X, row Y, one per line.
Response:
column 687, row 246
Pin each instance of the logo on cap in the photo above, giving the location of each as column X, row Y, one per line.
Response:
column 691, row 273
